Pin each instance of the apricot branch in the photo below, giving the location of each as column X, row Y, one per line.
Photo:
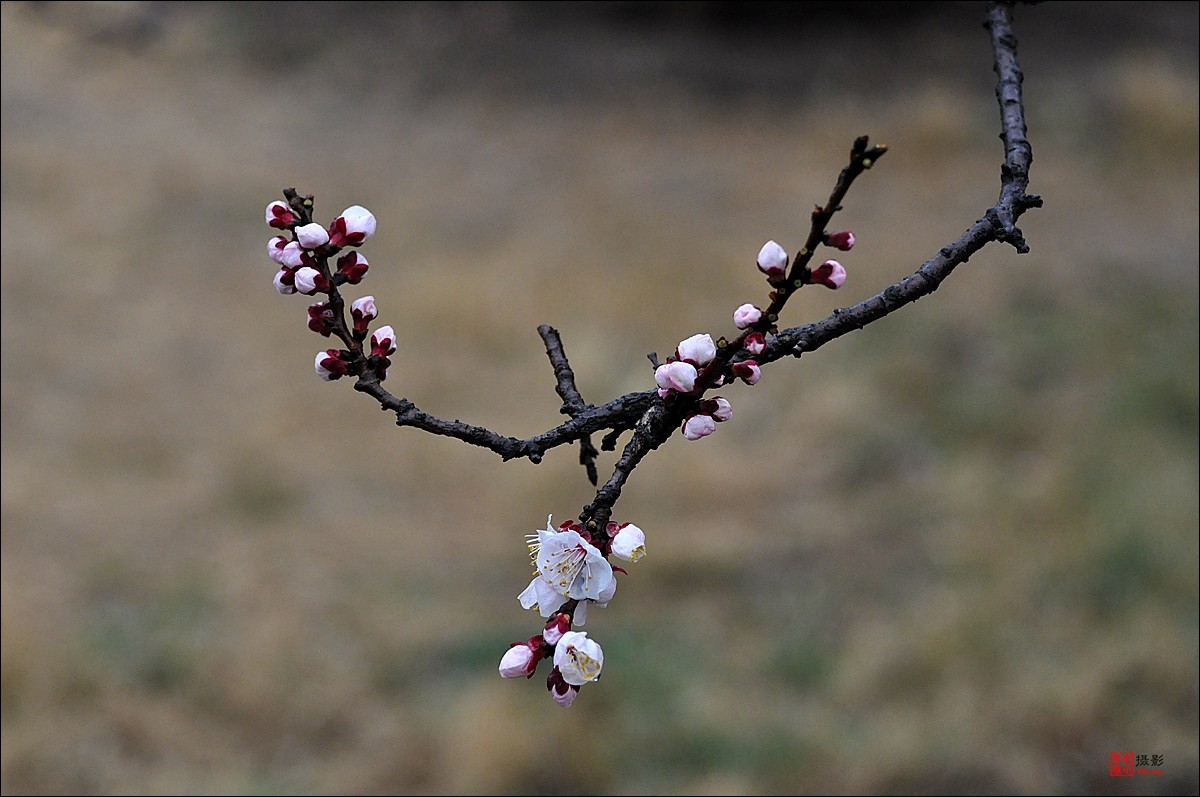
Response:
column 572, row 566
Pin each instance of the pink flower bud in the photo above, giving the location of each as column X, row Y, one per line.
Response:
column 842, row 241
column 309, row 281
column 285, row 281
column 678, row 376
column 275, row 248
column 383, row 342
column 566, row 698
column 320, row 318
column 698, row 350
column 280, row 216
column 363, row 312
column 563, row 693
column 353, row 227
column 329, row 366
column 557, row 625
column 698, row 426
column 830, row 274
column 756, row 343
column 292, row 255
column 629, row 543
column 310, row 236
column 746, row 316
column 718, row 408
column 516, row 662
column 747, row 371
column 352, row 266
column 773, row 261
column 521, row 659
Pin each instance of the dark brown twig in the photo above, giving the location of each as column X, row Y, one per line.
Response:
column 573, row 403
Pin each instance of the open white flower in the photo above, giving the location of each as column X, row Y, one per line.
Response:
column 571, row 564
column 578, row 658
column 568, row 567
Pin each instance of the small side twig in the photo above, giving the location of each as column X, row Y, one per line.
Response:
column 573, row 402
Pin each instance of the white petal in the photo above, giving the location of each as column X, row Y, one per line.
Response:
column 529, row 596
column 543, row 595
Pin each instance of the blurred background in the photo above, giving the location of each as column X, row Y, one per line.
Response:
column 955, row 551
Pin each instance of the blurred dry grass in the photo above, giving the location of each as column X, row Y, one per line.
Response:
column 956, row 551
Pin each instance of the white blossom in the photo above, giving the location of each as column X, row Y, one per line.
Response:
column 629, row 543
column 578, row 658
column 568, row 567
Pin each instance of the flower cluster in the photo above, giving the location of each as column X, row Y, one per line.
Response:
column 571, row 570
column 696, row 365
column 304, row 267
column 680, row 379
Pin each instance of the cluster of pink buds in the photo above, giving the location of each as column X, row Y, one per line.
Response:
column 679, row 377
column 690, row 371
column 304, row 267
column 571, row 570
column 679, row 373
